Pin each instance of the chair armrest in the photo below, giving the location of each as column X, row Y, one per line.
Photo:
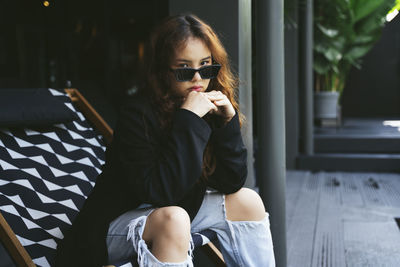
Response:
column 12, row 244
column 91, row 114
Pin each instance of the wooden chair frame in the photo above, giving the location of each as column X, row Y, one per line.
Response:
column 8, row 237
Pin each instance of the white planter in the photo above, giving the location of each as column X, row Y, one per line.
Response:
column 326, row 105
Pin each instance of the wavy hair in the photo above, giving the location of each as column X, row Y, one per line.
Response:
column 169, row 36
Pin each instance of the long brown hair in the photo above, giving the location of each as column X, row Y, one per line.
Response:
column 169, row 36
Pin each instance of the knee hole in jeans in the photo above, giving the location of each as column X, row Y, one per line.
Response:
column 171, row 223
column 244, row 205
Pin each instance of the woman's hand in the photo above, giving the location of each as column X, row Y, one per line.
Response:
column 224, row 106
column 199, row 103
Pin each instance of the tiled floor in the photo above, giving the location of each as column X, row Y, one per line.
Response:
column 343, row 219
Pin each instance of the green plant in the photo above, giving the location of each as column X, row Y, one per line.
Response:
column 344, row 31
column 396, row 7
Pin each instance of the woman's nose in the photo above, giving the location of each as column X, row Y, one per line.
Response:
column 196, row 76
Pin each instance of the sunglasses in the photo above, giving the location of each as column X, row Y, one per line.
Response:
column 206, row 72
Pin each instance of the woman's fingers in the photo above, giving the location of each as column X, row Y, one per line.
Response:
column 198, row 103
column 215, row 95
column 215, row 102
column 214, row 108
column 222, row 102
column 218, row 98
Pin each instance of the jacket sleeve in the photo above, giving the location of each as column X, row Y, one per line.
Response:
column 231, row 169
column 159, row 172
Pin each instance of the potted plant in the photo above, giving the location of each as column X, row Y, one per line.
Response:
column 344, row 31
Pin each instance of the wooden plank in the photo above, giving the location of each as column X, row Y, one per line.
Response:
column 294, row 183
column 370, row 232
column 372, row 243
column 328, row 250
column 381, row 206
column 370, row 188
column 214, row 254
column 91, row 114
column 12, row 244
column 390, row 188
column 353, row 220
column 300, row 232
column 350, row 191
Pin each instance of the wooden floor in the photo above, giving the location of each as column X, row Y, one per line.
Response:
column 343, row 219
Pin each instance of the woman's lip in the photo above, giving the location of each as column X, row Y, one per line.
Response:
column 196, row 88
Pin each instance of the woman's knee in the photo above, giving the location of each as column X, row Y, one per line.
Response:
column 168, row 222
column 244, row 205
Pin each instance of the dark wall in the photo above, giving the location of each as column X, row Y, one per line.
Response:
column 217, row 14
column 374, row 91
column 22, row 44
column 94, row 44
column 44, row 46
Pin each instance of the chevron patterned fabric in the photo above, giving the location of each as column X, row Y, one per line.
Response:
column 46, row 173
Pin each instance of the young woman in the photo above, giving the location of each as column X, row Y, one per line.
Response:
column 177, row 165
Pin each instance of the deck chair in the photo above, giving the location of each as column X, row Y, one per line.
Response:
column 47, row 172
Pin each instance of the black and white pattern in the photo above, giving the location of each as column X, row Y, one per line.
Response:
column 46, row 174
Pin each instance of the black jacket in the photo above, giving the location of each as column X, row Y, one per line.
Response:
column 145, row 164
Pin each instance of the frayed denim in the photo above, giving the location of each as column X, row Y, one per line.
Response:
column 144, row 256
column 243, row 243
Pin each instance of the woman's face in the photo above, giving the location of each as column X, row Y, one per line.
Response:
column 193, row 54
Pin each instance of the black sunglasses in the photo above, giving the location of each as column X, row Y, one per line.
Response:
column 206, row 72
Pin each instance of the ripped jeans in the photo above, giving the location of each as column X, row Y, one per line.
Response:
column 243, row 243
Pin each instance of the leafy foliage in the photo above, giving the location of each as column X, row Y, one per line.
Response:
column 396, row 7
column 344, row 31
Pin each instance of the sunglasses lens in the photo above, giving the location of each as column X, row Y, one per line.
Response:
column 209, row 72
column 184, row 74
column 206, row 72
